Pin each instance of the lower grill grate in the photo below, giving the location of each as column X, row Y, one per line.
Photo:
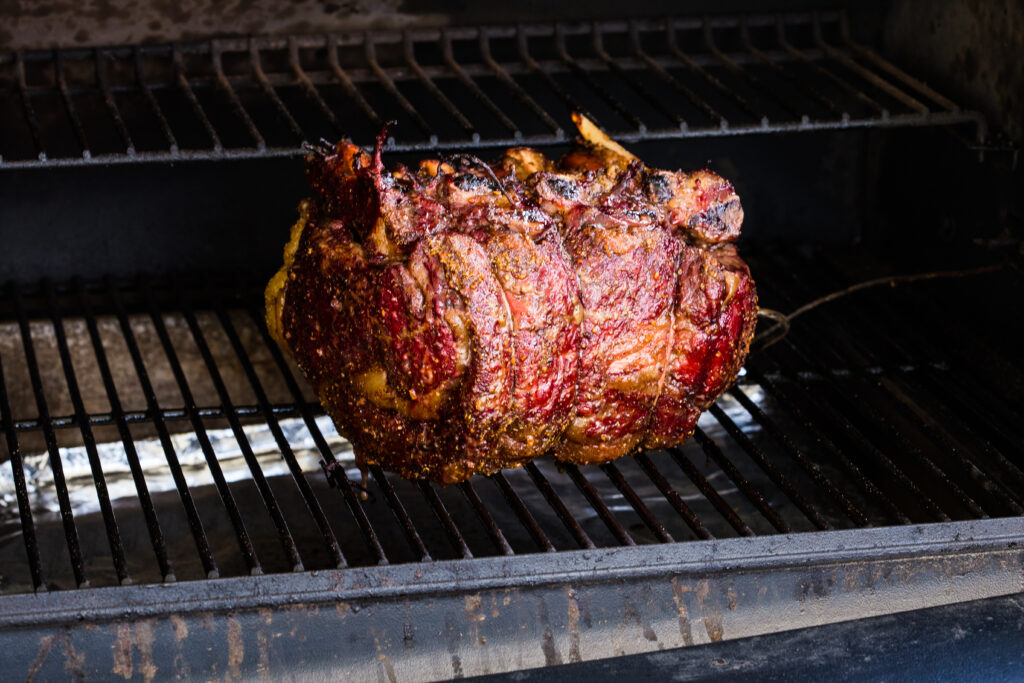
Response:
column 153, row 432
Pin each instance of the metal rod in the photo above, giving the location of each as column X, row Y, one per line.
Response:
column 812, row 468
column 88, row 439
column 56, row 467
column 410, row 58
column 147, row 92
column 454, row 535
column 197, row 109
column 228, row 500
column 28, row 527
column 153, row 408
column 524, row 97
column 634, row 500
column 236, row 104
column 523, row 513
column 780, row 34
column 69, row 105
column 524, row 54
column 703, row 106
column 412, row 535
column 111, row 104
column 172, row 414
column 705, row 487
column 711, row 80
column 156, row 535
column 389, row 85
column 460, row 73
column 351, row 499
column 492, row 528
column 800, row 83
column 633, row 82
column 551, row 496
column 26, row 105
column 266, row 493
column 713, row 450
column 350, row 89
column 766, row 465
column 307, row 85
column 861, row 71
column 268, row 89
column 672, row 496
column 582, row 74
column 606, row 516
column 308, row 497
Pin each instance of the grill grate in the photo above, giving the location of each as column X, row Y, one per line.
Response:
column 877, row 410
column 457, row 88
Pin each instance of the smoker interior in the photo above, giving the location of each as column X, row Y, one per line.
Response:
column 153, row 433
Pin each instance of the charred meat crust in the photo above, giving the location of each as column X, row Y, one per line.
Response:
column 466, row 317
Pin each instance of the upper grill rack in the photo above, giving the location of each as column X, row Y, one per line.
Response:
column 457, row 88
column 865, row 415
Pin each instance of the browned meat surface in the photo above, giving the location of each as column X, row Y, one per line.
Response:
column 466, row 317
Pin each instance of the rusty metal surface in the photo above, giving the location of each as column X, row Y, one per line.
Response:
column 445, row 619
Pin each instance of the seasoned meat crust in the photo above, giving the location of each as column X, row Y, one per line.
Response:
column 465, row 317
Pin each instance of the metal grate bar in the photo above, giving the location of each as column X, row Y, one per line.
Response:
column 195, row 524
column 308, row 497
column 147, row 92
column 261, row 77
column 704, row 107
column 398, row 509
column 889, row 68
column 800, row 83
column 493, row 530
column 389, row 85
column 581, row 73
column 111, row 104
column 991, row 483
column 606, row 516
column 731, row 65
column 672, row 496
column 88, row 439
column 241, row 535
column 197, row 109
column 60, row 483
column 410, row 58
column 307, row 86
column 450, row 527
column 872, row 421
column 466, row 80
column 523, row 513
column 705, row 487
column 551, row 496
column 28, row 527
column 156, row 535
column 508, row 81
column 269, row 500
column 820, row 70
column 808, row 465
column 725, row 90
column 350, row 89
column 713, row 450
column 236, row 104
column 766, row 465
column 138, row 416
column 864, row 73
column 639, row 87
column 531, row 63
column 69, row 106
column 638, row 504
column 798, row 406
column 325, row 451
column 26, row 105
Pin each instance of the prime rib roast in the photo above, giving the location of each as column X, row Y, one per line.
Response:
column 463, row 317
